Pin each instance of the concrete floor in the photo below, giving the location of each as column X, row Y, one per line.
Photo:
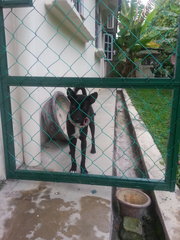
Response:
column 54, row 211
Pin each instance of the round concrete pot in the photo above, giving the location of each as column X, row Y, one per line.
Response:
column 132, row 202
column 54, row 115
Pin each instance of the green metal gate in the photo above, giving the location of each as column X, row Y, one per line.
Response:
column 124, row 70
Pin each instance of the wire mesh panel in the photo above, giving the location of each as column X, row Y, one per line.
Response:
column 124, row 54
column 43, row 133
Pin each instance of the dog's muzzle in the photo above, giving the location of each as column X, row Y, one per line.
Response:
column 85, row 123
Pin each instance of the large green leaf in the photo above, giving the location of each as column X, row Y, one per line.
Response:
column 125, row 7
column 169, row 13
column 124, row 20
column 149, row 20
column 139, row 27
column 133, row 9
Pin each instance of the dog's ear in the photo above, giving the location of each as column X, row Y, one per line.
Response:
column 92, row 97
column 71, row 94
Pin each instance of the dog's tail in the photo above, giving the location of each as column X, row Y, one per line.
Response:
column 82, row 89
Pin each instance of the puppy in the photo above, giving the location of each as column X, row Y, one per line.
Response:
column 80, row 116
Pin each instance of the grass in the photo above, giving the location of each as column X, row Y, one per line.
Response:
column 154, row 107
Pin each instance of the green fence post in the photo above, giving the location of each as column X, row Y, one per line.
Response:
column 5, row 107
column 174, row 138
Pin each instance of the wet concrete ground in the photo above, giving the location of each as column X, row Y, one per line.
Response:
column 54, row 211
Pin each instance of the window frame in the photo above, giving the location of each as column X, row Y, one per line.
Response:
column 110, row 21
column 79, row 6
column 108, row 46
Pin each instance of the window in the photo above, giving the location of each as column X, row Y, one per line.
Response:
column 79, row 7
column 74, row 21
column 110, row 21
column 108, row 46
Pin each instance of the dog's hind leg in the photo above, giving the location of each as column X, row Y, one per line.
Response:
column 92, row 128
column 72, row 145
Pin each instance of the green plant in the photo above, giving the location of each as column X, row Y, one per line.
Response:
column 142, row 28
column 154, row 105
column 133, row 36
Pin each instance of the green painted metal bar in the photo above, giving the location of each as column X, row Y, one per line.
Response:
column 177, row 70
column 15, row 3
column 90, row 179
column 174, row 137
column 176, row 146
column 173, row 144
column 92, row 82
column 5, row 104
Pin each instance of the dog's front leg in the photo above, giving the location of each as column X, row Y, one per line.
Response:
column 72, row 145
column 92, row 127
column 83, row 155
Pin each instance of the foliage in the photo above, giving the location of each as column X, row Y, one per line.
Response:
column 132, row 35
column 143, row 27
column 168, row 14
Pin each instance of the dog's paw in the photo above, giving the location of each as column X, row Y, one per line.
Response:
column 72, row 170
column 93, row 150
column 84, row 171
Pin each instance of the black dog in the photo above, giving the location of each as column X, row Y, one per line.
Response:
column 80, row 116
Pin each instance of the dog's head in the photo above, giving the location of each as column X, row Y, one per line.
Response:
column 80, row 106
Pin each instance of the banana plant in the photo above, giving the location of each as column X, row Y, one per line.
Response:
column 137, row 31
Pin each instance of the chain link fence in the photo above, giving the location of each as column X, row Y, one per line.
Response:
column 124, row 51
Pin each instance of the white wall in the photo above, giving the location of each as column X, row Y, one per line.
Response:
column 45, row 48
column 39, row 45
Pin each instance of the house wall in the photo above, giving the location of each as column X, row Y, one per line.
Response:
column 39, row 45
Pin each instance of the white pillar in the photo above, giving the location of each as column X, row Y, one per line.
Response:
column 16, row 120
column 26, row 112
column 30, row 116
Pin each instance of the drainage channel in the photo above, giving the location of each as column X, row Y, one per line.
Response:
column 128, row 163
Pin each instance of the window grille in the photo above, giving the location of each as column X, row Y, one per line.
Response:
column 108, row 46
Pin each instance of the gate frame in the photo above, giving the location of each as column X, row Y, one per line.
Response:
column 8, row 138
